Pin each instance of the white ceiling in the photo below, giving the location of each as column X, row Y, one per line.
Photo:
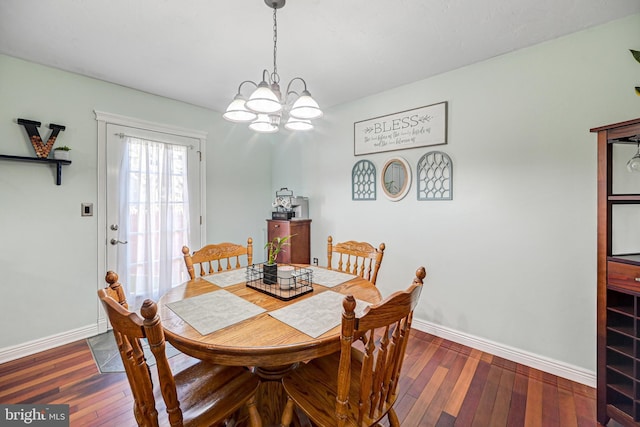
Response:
column 198, row 51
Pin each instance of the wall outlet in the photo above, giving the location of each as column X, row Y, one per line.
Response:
column 315, row 261
column 86, row 209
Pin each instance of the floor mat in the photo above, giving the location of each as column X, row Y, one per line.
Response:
column 106, row 355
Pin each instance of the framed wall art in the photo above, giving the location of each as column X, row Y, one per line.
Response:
column 435, row 176
column 415, row 128
column 363, row 181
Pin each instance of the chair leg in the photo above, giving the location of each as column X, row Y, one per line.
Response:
column 254, row 415
column 287, row 414
column 393, row 418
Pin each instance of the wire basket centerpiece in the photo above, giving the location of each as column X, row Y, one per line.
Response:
column 292, row 283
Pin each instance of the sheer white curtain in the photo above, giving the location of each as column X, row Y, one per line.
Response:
column 154, row 204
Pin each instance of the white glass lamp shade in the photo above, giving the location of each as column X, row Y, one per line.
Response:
column 237, row 112
column 263, row 124
column 298, row 124
column 263, row 100
column 305, row 107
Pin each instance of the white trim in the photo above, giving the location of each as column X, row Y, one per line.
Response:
column 132, row 122
column 555, row 367
column 26, row 349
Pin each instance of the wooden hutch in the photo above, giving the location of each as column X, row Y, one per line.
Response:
column 618, row 279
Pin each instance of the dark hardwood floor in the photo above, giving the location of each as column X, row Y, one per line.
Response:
column 444, row 384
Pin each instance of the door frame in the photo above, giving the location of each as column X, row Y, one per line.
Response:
column 104, row 118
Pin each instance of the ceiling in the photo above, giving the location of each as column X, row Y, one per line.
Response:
column 198, row 51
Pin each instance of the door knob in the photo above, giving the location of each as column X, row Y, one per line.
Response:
column 116, row 241
column 114, row 227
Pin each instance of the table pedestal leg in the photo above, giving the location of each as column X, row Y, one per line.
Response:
column 271, row 397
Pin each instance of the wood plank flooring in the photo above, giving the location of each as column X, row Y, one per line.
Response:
column 444, row 385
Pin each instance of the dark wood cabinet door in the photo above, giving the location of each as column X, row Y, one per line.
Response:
column 299, row 249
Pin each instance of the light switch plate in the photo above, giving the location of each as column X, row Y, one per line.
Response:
column 87, row 209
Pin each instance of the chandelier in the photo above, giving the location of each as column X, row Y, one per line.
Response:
column 266, row 106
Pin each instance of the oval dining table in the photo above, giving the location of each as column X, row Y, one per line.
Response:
column 263, row 343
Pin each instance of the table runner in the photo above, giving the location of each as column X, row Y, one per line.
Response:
column 228, row 278
column 214, row 310
column 329, row 278
column 316, row 315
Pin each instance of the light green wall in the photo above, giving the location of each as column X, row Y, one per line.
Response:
column 512, row 259
column 48, row 255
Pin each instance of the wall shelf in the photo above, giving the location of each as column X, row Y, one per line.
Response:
column 57, row 162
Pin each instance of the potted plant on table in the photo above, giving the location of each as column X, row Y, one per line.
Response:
column 62, row 153
column 270, row 268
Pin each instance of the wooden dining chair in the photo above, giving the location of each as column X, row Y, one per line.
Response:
column 217, row 257
column 358, row 385
column 202, row 394
column 358, row 258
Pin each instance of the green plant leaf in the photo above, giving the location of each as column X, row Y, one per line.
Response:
column 636, row 54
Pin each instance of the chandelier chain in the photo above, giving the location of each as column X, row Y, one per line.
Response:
column 275, row 78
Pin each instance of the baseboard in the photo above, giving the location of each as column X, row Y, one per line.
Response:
column 561, row 369
column 542, row 363
column 26, row 349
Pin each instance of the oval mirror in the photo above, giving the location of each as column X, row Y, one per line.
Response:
column 396, row 178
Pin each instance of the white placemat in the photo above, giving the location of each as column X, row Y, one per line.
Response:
column 316, row 315
column 214, row 310
column 228, row 278
column 329, row 278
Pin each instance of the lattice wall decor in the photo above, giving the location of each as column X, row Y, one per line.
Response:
column 363, row 181
column 435, row 176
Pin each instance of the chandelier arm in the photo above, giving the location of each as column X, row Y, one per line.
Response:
column 246, row 81
column 266, row 77
column 291, row 82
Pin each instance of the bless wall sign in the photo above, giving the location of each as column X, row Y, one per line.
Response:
column 419, row 127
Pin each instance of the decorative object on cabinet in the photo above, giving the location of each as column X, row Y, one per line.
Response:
column 299, row 248
column 289, row 206
column 636, row 55
column 434, row 173
column 618, row 277
column 62, row 153
column 414, row 128
column 42, row 150
column 300, row 206
column 266, row 105
column 396, row 178
column 363, row 181
column 282, row 204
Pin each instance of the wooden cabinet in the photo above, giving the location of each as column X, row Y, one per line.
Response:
column 618, row 280
column 299, row 251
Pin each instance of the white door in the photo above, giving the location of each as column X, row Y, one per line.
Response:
column 153, row 208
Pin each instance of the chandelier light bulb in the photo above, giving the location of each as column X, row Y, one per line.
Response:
column 298, row 124
column 263, row 124
column 237, row 112
column 305, row 107
column 263, row 100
